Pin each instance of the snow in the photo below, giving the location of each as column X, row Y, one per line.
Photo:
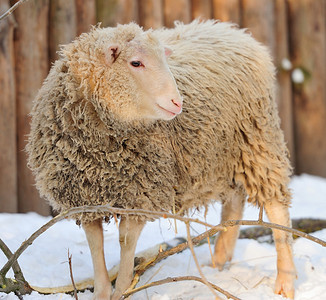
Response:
column 286, row 64
column 297, row 76
column 250, row 275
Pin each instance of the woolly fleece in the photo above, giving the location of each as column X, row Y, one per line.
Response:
column 227, row 139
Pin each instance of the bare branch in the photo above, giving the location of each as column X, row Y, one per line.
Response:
column 113, row 210
column 191, row 246
column 96, row 209
column 261, row 211
column 176, row 279
column 141, row 268
column 232, row 223
column 12, row 9
column 71, row 275
column 144, row 266
column 20, row 285
column 16, row 268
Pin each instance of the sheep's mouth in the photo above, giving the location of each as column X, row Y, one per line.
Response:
column 170, row 113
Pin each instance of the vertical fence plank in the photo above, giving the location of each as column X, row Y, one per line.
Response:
column 202, row 9
column 31, row 67
column 227, row 11
column 258, row 16
column 176, row 10
column 308, row 51
column 151, row 13
column 105, row 11
column 127, row 12
column 284, row 92
column 86, row 15
column 62, row 25
column 111, row 12
column 8, row 163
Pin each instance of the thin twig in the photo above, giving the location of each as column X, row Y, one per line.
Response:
column 261, row 211
column 155, row 273
column 176, row 279
column 15, row 267
column 142, row 212
column 210, row 248
column 145, row 265
column 210, row 251
column 113, row 210
column 232, row 223
column 94, row 209
column 140, row 269
column 20, row 286
column 191, row 246
column 11, row 9
column 71, row 275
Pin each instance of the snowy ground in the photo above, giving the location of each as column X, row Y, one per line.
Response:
column 251, row 274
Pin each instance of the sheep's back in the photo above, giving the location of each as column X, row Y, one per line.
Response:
column 229, row 129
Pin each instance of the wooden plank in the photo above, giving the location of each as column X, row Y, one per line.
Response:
column 308, row 53
column 258, row 16
column 86, row 15
column 111, row 12
column 31, row 67
column 127, row 12
column 62, row 25
column 284, row 91
column 105, row 10
column 8, row 162
column 151, row 13
column 176, row 10
column 202, row 9
column 227, row 11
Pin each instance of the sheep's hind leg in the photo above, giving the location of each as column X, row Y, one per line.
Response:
column 278, row 213
column 129, row 231
column 102, row 284
column 232, row 209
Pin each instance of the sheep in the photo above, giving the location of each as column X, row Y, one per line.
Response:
column 164, row 120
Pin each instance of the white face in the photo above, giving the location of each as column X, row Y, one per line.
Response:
column 161, row 97
column 154, row 94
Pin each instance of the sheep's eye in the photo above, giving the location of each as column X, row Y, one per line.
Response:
column 136, row 64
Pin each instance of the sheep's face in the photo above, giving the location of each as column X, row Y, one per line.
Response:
column 141, row 85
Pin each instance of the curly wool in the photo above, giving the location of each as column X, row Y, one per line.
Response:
column 226, row 140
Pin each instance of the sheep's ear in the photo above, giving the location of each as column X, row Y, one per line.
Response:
column 168, row 51
column 112, row 53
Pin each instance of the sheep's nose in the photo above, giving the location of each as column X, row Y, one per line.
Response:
column 177, row 106
column 177, row 103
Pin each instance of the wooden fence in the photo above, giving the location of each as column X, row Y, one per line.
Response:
column 295, row 31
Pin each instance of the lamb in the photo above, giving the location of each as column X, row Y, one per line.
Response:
column 163, row 120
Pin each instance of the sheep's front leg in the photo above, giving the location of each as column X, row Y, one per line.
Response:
column 102, row 284
column 129, row 231
column 278, row 213
column 232, row 209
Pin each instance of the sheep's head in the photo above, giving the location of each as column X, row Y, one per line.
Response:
column 130, row 74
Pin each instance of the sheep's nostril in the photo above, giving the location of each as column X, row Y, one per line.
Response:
column 176, row 103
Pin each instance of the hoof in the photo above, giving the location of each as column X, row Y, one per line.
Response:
column 284, row 285
column 220, row 259
column 217, row 265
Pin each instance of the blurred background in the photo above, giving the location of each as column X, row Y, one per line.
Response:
column 294, row 31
